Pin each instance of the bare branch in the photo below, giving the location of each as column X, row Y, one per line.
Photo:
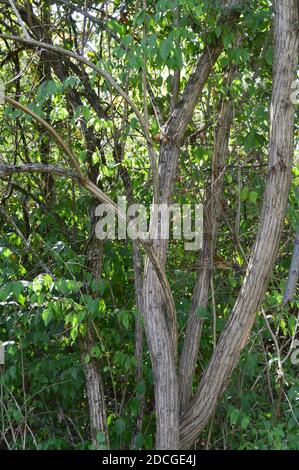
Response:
column 212, row 208
column 27, row 245
column 100, row 71
column 92, row 18
column 177, row 73
column 22, row 24
column 151, row 151
column 72, row 159
column 99, row 194
column 8, row 170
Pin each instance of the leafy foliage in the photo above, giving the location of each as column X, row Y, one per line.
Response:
column 49, row 296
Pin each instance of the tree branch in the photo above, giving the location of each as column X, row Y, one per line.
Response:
column 92, row 18
column 100, row 71
column 99, row 194
column 8, row 170
column 21, row 22
column 183, row 111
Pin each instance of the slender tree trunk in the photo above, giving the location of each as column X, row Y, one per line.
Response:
column 281, row 151
column 160, row 331
column 118, row 153
column 92, row 369
column 294, row 271
column 94, row 389
column 138, row 281
column 211, row 214
column 163, row 362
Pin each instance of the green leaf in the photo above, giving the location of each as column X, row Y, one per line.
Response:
column 47, row 281
column 86, row 113
column 253, row 195
column 101, row 437
column 37, row 285
column 119, row 357
column 141, row 388
column 51, row 88
column 228, row 40
column 244, row 423
column 96, row 351
column 87, row 358
column 70, row 82
column 47, row 316
column 120, row 426
column 244, row 194
column 202, row 312
column 98, row 286
column 133, row 123
column 125, row 320
column 218, row 31
column 138, row 441
column 95, row 286
column 134, row 406
column 22, row 299
column 140, row 17
column 82, row 156
column 234, row 416
column 164, row 48
column 292, row 321
column 17, row 288
column 269, row 56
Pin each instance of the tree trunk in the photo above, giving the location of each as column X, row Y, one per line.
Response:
column 202, row 287
column 92, row 368
column 94, row 389
column 281, row 150
column 294, row 272
column 161, row 332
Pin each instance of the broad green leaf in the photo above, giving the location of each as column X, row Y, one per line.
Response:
column 165, row 48
column 47, row 316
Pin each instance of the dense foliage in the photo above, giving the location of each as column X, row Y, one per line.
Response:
column 49, row 293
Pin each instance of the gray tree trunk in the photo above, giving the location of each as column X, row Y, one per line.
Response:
column 211, row 212
column 281, row 151
column 293, row 273
column 161, row 332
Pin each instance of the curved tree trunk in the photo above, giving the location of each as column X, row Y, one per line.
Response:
column 202, row 286
column 281, row 150
column 161, row 334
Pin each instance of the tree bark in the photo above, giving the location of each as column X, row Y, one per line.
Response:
column 161, row 332
column 94, row 389
column 211, row 214
column 281, row 150
column 293, row 273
